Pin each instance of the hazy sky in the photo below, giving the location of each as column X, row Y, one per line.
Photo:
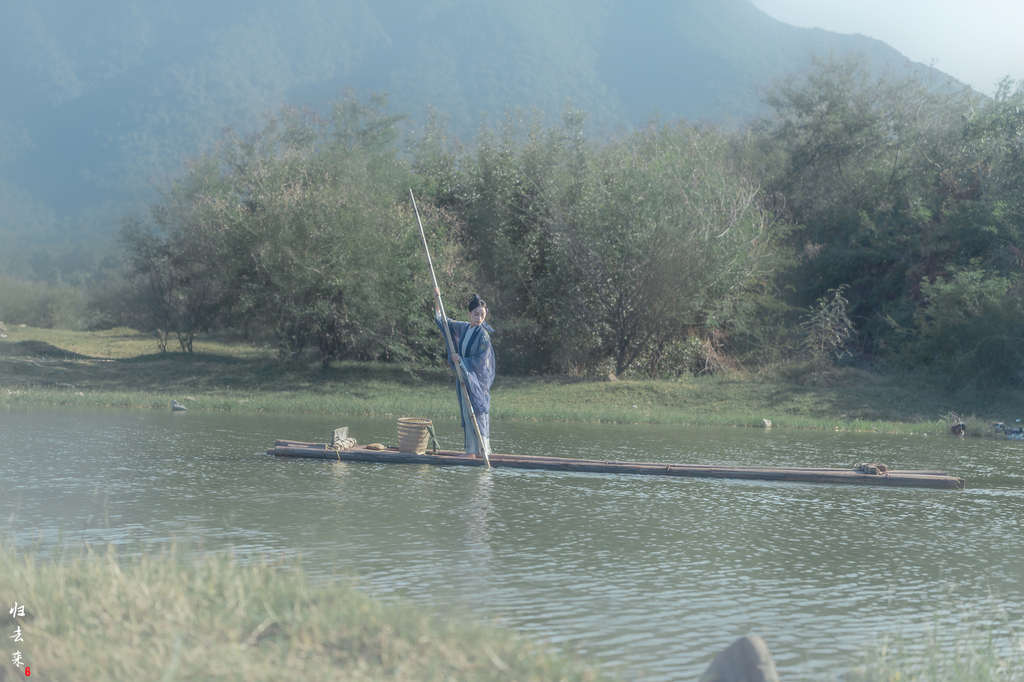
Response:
column 979, row 42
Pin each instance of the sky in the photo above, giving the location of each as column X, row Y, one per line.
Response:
column 978, row 42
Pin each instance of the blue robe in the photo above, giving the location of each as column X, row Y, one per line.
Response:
column 473, row 345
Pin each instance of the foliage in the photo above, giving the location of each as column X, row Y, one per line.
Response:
column 312, row 229
column 664, row 236
column 589, row 251
column 512, row 176
column 910, row 195
column 972, row 329
column 42, row 305
column 301, row 231
column 992, row 165
column 700, row 352
column 828, row 331
column 495, row 195
column 860, row 159
column 171, row 283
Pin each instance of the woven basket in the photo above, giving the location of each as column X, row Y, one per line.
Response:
column 412, row 435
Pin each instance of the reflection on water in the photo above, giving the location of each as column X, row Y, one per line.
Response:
column 650, row 574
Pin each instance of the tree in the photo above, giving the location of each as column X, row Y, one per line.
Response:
column 153, row 285
column 513, row 173
column 859, row 158
column 304, row 232
column 972, row 329
column 985, row 189
column 493, row 195
column 174, row 274
column 663, row 234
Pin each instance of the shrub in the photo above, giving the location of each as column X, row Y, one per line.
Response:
column 972, row 329
column 42, row 305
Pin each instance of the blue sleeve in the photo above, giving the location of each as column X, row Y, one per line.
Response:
column 480, row 374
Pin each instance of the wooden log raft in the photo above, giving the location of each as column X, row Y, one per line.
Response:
column 858, row 476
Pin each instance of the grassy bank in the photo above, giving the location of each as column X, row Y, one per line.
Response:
column 122, row 368
column 176, row 615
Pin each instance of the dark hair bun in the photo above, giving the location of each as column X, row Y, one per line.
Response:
column 475, row 303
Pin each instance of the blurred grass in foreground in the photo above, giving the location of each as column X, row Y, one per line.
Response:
column 968, row 647
column 183, row 616
column 178, row 614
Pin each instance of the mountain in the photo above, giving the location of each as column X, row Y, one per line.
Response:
column 101, row 98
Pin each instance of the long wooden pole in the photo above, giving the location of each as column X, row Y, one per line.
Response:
column 460, row 377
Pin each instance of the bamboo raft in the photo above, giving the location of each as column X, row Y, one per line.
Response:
column 864, row 475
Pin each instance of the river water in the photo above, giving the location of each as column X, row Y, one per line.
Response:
column 648, row 576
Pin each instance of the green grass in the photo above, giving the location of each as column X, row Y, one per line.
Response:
column 179, row 615
column 123, row 368
column 975, row 648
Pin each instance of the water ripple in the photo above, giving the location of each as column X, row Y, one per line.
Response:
column 645, row 574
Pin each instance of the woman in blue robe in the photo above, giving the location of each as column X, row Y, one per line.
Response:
column 474, row 352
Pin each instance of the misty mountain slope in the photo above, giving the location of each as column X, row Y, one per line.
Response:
column 101, row 97
column 704, row 60
column 89, row 115
column 470, row 59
